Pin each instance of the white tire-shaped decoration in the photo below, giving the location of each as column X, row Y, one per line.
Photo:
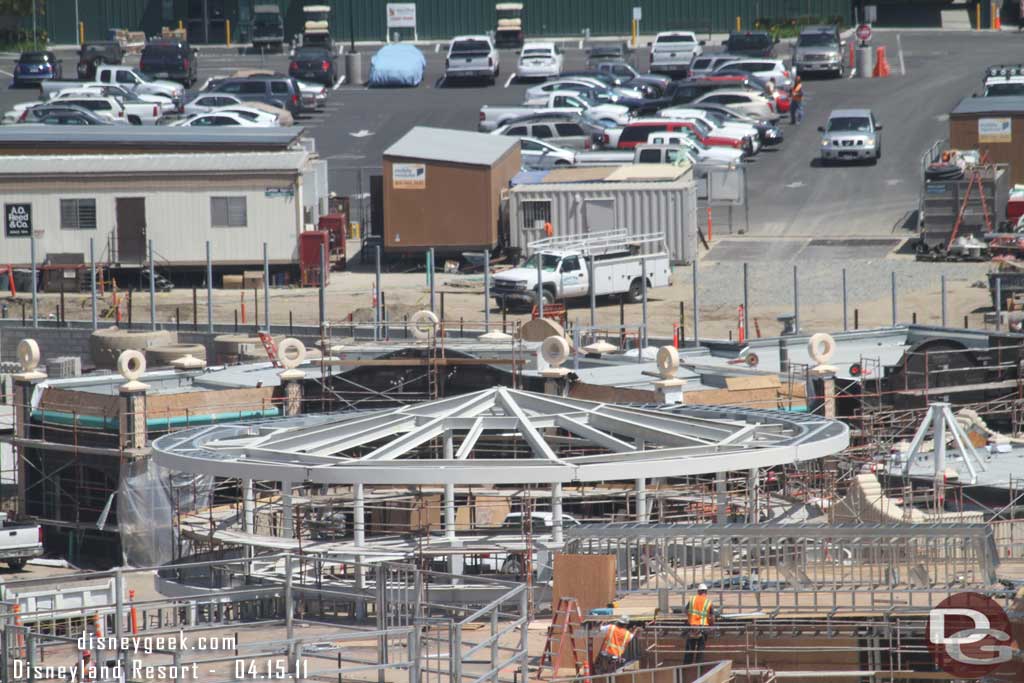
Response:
column 131, row 364
column 668, row 362
column 291, row 352
column 554, row 350
column 28, row 354
column 820, row 347
column 752, row 360
column 423, row 324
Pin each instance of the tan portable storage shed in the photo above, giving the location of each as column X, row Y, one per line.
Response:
column 442, row 189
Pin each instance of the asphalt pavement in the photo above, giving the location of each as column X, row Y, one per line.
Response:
column 792, row 199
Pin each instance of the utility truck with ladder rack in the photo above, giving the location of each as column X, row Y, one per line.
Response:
column 611, row 262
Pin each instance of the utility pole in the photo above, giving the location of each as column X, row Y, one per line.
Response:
column 35, row 33
column 352, row 25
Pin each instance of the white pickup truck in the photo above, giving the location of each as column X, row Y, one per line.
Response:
column 135, row 111
column 565, row 268
column 128, row 78
column 556, row 103
column 672, row 52
column 19, row 542
column 472, row 57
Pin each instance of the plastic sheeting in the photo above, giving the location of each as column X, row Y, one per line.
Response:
column 396, row 66
column 148, row 499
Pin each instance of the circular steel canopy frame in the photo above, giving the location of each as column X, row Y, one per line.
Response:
column 397, row 446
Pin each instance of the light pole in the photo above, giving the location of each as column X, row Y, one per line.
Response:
column 352, row 25
column 35, row 33
column 78, row 24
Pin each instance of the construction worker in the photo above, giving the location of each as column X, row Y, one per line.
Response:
column 549, row 230
column 796, row 101
column 700, row 615
column 613, row 650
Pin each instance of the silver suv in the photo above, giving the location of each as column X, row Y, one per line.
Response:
column 819, row 49
column 851, row 134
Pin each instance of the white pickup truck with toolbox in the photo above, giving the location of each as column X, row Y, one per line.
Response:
column 472, row 57
column 620, row 259
column 128, row 78
column 19, row 542
column 558, row 102
column 672, row 52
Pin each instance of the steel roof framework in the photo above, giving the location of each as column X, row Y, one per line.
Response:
column 503, row 436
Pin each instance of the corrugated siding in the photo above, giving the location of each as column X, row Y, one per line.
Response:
column 672, row 210
column 439, row 19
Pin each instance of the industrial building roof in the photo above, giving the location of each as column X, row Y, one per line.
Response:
column 127, row 164
column 150, row 137
column 621, row 174
column 1009, row 104
column 454, row 146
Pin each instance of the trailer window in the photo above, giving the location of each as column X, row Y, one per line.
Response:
column 228, row 212
column 78, row 214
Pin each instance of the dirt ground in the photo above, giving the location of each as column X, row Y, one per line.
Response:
column 351, row 294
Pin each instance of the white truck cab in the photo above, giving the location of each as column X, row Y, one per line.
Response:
column 620, row 260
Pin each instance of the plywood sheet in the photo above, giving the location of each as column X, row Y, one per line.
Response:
column 752, row 382
column 491, row 511
column 588, row 578
column 79, row 402
column 206, row 402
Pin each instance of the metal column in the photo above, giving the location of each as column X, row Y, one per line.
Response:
column 556, row 513
column 746, row 301
column 266, row 289
column 796, row 301
column 92, row 288
column 377, row 317
column 358, row 515
column 487, row 291
column 323, row 285
column 593, row 299
column 942, row 298
column 32, row 249
column 641, row 500
column 430, row 279
column 449, row 489
column 696, row 306
column 248, row 506
column 287, row 511
column 846, row 324
column 152, row 288
column 643, row 305
column 540, row 285
column 209, row 288
column 892, row 281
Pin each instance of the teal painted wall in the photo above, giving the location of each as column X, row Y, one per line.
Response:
column 438, row 19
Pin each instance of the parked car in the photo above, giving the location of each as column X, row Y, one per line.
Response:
column 124, row 104
column 315, row 64
column 128, row 78
column 651, row 86
column 779, row 95
column 571, row 132
column 705, row 154
column 126, row 96
column 764, row 69
column 174, row 60
column 219, row 118
column 256, row 113
column 312, row 96
column 539, row 60
column 620, row 71
column 750, row 44
column 770, row 133
column 706, row 64
column 606, row 52
column 93, row 54
column 32, row 68
column 207, row 102
column 492, row 117
column 744, row 131
column 746, row 101
column 19, row 542
column 819, row 49
column 851, row 135
column 538, row 154
column 98, row 104
column 472, row 57
column 637, row 132
column 571, row 83
column 283, row 90
column 673, row 51
column 66, row 115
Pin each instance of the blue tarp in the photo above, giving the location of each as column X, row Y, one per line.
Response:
column 528, row 178
column 397, row 66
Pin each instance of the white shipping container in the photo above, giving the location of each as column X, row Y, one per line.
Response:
column 614, row 198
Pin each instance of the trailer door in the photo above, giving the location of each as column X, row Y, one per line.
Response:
column 598, row 215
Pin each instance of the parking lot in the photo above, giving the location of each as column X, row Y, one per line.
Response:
column 798, row 210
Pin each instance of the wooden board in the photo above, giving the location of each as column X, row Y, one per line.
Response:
column 207, row 402
column 79, row 402
column 588, row 578
column 752, row 382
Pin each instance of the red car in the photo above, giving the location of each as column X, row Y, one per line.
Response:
column 636, row 132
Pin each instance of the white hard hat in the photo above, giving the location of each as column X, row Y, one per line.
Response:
column 623, row 619
column 702, row 587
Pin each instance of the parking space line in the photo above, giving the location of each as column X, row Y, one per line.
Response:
column 853, row 72
column 338, row 83
column 510, row 79
column 6, row 73
column 899, row 48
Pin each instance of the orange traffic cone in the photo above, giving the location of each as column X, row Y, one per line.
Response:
column 881, row 64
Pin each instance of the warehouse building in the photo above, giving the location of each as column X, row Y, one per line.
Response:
column 442, row 189
column 640, row 198
column 235, row 200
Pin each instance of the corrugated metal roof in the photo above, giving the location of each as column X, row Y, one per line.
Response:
column 1008, row 104
column 124, row 164
column 454, row 146
column 157, row 136
column 581, row 174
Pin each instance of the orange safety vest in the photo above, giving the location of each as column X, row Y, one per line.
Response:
column 699, row 610
column 615, row 641
column 549, row 229
column 797, row 95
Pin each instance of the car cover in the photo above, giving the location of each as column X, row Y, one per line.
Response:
column 397, row 66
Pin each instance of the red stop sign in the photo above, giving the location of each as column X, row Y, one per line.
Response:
column 863, row 33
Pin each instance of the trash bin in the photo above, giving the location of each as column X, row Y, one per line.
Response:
column 354, row 68
column 864, row 61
